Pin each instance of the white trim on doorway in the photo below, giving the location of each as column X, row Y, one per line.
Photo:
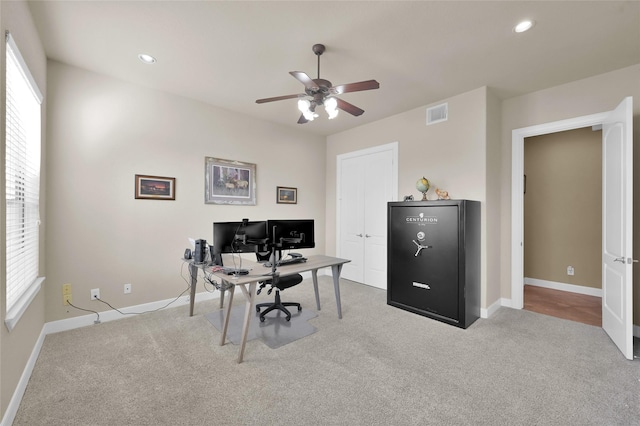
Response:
column 517, row 192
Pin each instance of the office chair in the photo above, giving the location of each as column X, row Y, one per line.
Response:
column 281, row 283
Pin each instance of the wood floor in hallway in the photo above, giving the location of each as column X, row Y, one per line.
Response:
column 563, row 304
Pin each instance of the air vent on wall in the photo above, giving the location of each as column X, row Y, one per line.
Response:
column 437, row 114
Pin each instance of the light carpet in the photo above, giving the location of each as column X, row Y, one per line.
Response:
column 378, row 365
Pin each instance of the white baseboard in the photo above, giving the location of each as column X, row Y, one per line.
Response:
column 14, row 404
column 572, row 288
column 112, row 315
column 486, row 313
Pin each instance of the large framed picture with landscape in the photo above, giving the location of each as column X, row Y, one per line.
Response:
column 229, row 182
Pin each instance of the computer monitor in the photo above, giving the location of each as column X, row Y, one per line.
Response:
column 291, row 233
column 238, row 237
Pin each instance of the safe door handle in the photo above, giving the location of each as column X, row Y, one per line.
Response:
column 420, row 248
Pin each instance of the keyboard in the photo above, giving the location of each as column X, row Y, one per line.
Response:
column 235, row 271
column 292, row 261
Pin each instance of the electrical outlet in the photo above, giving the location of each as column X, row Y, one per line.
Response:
column 570, row 270
column 66, row 289
column 127, row 288
column 66, row 299
column 95, row 293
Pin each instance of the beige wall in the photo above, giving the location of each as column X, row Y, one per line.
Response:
column 563, row 207
column 16, row 346
column 453, row 155
column 582, row 97
column 101, row 133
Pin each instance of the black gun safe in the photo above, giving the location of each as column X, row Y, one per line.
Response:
column 433, row 259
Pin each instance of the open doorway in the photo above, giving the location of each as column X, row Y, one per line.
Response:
column 562, row 224
column 617, row 216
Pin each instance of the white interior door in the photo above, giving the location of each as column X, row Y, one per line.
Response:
column 617, row 226
column 351, row 217
column 366, row 181
column 378, row 172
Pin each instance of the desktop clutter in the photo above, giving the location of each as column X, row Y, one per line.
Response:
column 267, row 239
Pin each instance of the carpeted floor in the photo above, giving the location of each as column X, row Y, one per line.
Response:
column 377, row 366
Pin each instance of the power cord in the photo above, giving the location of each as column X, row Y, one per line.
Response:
column 143, row 312
column 97, row 321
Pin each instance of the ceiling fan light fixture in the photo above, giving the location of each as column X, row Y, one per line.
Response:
column 310, row 115
column 304, row 105
column 331, row 106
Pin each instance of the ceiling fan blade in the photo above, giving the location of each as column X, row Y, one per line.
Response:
column 302, row 120
column 305, row 79
column 355, row 87
column 350, row 108
column 279, row 98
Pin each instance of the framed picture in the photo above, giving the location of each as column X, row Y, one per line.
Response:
column 287, row 195
column 229, row 182
column 155, row 187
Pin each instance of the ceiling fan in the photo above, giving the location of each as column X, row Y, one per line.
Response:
column 323, row 93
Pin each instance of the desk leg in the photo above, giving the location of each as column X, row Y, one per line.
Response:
column 193, row 272
column 248, row 313
column 314, row 275
column 227, row 315
column 222, row 298
column 335, row 271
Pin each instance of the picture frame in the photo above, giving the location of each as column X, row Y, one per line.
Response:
column 229, row 182
column 286, row 195
column 155, row 187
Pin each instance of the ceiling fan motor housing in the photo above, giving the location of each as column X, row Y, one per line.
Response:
column 321, row 91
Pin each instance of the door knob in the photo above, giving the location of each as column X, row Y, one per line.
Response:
column 619, row 259
column 367, row 235
column 358, row 235
column 630, row 260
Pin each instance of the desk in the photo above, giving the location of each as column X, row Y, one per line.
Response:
column 248, row 286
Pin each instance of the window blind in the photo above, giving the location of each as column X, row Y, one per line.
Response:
column 22, row 175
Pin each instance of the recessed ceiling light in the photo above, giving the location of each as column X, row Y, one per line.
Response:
column 147, row 59
column 523, row 26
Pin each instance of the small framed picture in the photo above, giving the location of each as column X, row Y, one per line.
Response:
column 155, row 187
column 287, row 195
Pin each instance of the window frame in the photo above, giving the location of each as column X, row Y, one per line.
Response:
column 27, row 292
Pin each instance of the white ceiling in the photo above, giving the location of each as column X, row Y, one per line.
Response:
column 230, row 53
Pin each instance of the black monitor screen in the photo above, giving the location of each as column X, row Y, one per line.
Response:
column 292, row 233
column 238, row 237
